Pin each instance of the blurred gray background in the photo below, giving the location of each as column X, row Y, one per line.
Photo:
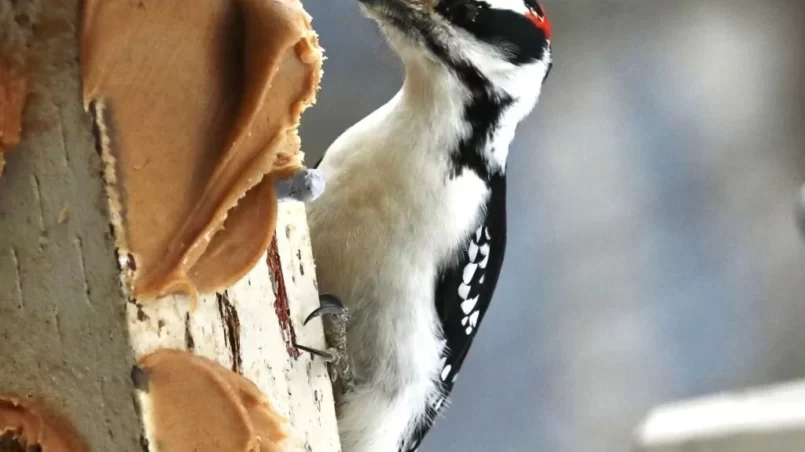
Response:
column 652, row 252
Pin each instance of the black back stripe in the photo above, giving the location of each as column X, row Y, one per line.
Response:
column 460, row 325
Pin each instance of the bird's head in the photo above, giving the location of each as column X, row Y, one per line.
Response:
column 507, row 43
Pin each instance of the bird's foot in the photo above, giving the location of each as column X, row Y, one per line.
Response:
column 305, row 186
column 336, row 333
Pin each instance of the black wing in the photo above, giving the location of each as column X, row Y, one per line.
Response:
column 463, row 293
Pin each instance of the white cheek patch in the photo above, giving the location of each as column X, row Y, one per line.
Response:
column 517, row 6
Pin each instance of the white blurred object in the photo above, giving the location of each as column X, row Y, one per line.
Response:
column 770, row 419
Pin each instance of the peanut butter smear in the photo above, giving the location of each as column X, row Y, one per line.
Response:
column 13, row 92
column 197, row 405
column 198, row 108
column 34, row 426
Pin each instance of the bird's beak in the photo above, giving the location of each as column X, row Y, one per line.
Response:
column 404, row 16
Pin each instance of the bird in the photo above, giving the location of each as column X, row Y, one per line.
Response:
column 409, row 235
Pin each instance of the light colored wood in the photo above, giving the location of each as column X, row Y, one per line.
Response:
column 770, row 419
column 69, row 335
column 240, row 329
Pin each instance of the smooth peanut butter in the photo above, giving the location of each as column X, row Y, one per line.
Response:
column 195, row 404
column 33, row 426
column 199, row 109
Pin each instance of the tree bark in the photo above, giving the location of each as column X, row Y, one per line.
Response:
column 69, row 336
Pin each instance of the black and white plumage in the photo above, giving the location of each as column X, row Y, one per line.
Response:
column 410, row 231
column 463, row 293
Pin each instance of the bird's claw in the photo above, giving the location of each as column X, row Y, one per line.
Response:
column 328, row 304
column 336, row 332
column 327, row 355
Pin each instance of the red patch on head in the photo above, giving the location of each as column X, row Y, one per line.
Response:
column 540, row 20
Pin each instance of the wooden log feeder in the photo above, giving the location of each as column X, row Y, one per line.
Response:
column 152, row 286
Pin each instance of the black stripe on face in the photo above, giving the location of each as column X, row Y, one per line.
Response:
column 483, row 112
column 519, row 39
column 485, row 106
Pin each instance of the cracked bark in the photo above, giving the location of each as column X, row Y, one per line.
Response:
column 69, row 335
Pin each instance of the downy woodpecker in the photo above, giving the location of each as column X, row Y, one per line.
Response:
column 410, row 231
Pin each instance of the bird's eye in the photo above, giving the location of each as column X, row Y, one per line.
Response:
column 462, row 11
column 468, row 13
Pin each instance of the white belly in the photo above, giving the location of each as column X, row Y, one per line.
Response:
column 387, row 219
